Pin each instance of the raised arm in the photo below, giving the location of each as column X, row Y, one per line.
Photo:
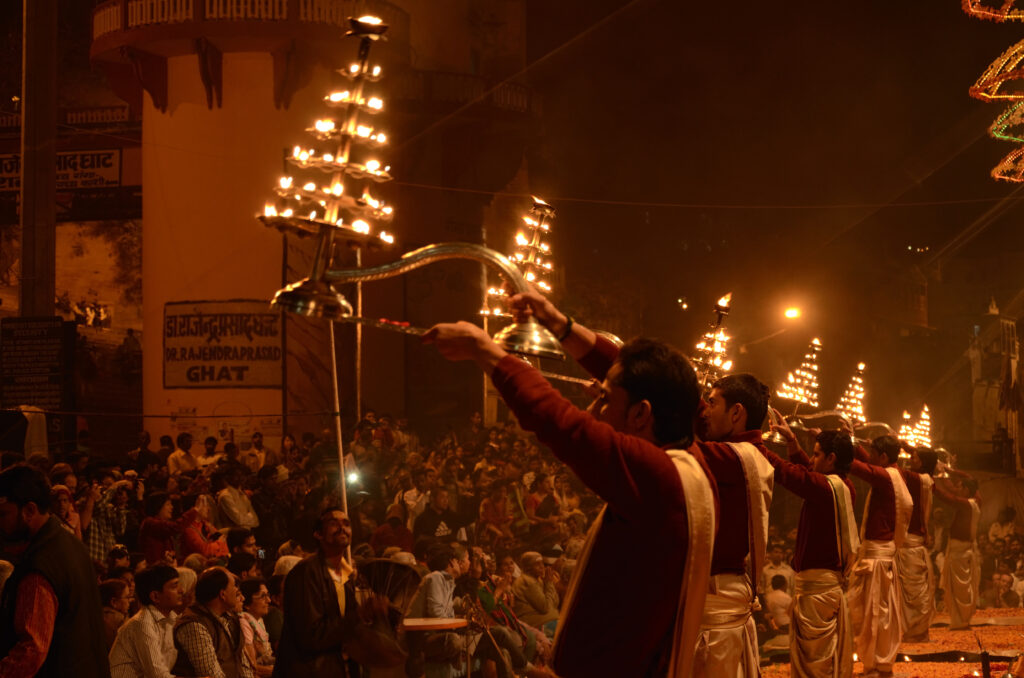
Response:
column 797, row 478
column 946, row 492
column 874, row 475
column 796, row 453
column 576, row 339
column 623, row 470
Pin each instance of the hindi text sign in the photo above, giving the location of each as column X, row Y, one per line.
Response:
column 222, row 344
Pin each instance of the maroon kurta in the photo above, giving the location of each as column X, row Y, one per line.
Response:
column 881, row 520
column 913, row 481
column 963, row 516
column 733, row 541
column 627, row 597
column 816, row 544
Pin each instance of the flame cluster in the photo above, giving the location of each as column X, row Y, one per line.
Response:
column 712, row 354
column 532, row 254
column 801, row 384
column 851, row 403
column 331, row 185
column 918, row 434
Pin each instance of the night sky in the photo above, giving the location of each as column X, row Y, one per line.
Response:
column 738, row 110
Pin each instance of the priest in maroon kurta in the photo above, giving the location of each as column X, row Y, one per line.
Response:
column 731, row 432
column 874, row 596
column 625, row 613
column 961, row 570
column 913, row 564
column 821, row 641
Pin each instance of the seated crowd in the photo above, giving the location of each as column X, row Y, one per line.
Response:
column 191, row 546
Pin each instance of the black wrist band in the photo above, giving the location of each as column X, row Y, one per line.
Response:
column 568, row 330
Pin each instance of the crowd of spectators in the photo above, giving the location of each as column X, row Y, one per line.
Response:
column 183, row 536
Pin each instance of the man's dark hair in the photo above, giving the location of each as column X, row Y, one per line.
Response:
column 166, row 441
column 236, row 537
column 779, row 582
column 275, row 584
column 155, row 502
column 929, row 458
column 748, row 391
column 839, row 444
column 184, row 439
column 152, row 580
column 249, row 588
column 266, row 473
column 240, row 562
column 211, row 582
column 110, row 589
column 887, row 445
column 654, row 371
column 23, row 484
column 439, row 556
column 120, row 571
column 421, row 548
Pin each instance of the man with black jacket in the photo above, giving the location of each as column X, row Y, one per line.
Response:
column 319, row 605
column 51, row 620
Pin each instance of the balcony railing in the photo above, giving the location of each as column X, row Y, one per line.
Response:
column 247, row 10
column 92, row 116
column 119, row 15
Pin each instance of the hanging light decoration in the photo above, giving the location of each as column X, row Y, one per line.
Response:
column 851, row 403
column 331, row 185
column 994, row 10
column 532, row 254
column 801, row 385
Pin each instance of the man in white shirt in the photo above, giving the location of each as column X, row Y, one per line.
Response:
column 235, row 507
column 144, row 647
column 778, row 602
column 774, row 567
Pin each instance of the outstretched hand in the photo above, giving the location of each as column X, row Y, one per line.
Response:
column 780, row 426
column 533, row 303
column 464, row 341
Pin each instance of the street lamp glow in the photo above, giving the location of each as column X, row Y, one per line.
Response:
column 792, row 312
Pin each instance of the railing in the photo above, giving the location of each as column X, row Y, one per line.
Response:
column 107, row 19
column 97, row 116
column 73, row 117
column 262, row 10
column 144, row 12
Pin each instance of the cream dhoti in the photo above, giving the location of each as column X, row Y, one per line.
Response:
column 961, row 579
column 727, row 646
column 876, row 610
column 820, row 639
column 917, row 585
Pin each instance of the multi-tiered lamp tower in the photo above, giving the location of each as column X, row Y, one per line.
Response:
column 711, row 360
column 851, row 404
column 331, row 189
column 801, row 385
column 532, row 254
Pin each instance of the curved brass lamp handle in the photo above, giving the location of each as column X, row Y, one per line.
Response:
column 429, row 255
